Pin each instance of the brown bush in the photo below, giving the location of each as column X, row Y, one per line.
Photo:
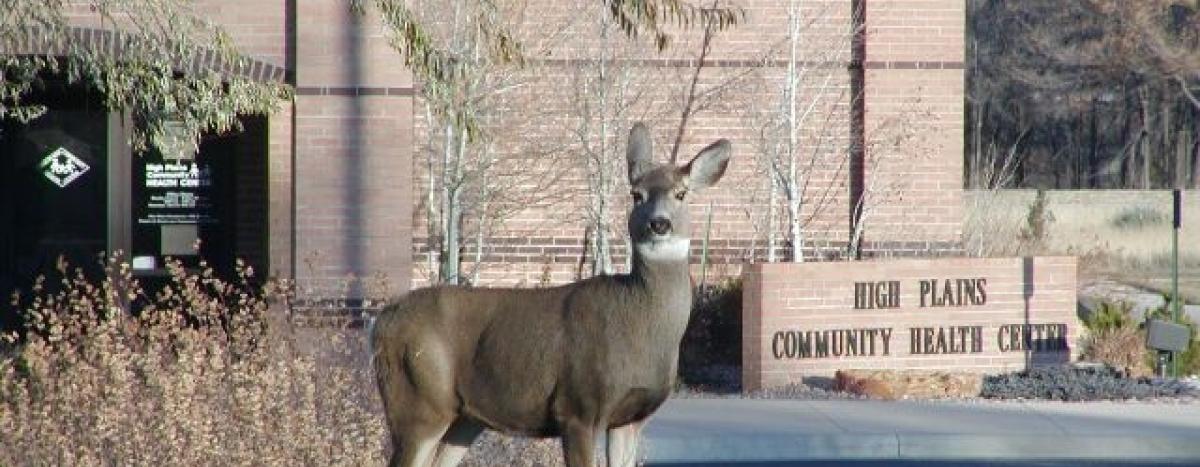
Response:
column 1123, row 348
column 202, row 372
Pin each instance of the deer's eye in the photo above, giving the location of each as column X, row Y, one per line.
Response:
column 680, row 194
column 637, row 197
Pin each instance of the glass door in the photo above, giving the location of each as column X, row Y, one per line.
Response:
column 53, row 188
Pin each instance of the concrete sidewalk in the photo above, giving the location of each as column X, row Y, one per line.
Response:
column 741, row 430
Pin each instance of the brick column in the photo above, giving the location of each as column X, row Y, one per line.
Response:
column 353, row 143
column 279, row 191
column 913, row 90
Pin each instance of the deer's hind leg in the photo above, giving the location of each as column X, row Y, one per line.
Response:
column 456, row 442
column 579, row 444
column 416, row 426
column 622, row 445
column 414, row 445
column 415, row 385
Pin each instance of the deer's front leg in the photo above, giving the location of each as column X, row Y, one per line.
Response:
column 579, row 444
column 623, row 445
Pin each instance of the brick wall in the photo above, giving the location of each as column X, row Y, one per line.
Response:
column 347, row 170
column 259, row 29
column 913, row 94
column 352, row 153
column 779, row 299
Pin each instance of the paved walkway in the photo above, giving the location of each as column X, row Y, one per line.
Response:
column 738, row 430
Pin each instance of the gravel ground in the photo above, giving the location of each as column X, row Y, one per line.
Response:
column 725, row 382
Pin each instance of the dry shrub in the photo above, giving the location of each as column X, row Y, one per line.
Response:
column 1123, row 348
column 202, row 372
column 1115, row 339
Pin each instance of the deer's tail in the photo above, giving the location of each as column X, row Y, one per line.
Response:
column 381, row 349
column 384, row 361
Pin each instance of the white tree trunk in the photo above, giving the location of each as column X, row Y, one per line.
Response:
column 602, row 262
column 452, row 206
column 446, row 211
column 432, row 224
column 795, row 229
column 484, row 210
column 772, row 201
column 794, row 195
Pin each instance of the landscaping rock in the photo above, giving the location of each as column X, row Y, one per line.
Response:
column 1093, row 295
column 1193, row 312
column 1140, row 301
column 907, row 384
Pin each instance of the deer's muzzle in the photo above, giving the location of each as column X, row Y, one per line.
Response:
column 660, row 225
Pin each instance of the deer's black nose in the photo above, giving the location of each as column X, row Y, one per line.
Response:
column 660, row 225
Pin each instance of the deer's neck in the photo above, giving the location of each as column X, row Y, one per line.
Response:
column 667, row 282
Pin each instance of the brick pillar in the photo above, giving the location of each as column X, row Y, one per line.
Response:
column 279, row 191
column 353, row 142
column 752, row 327
column 914, row 84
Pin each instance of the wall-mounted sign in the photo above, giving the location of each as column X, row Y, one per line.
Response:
column 176, row 193
column 973, row 314
column 61, row 167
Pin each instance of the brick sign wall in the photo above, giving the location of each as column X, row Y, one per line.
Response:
column 986, row 315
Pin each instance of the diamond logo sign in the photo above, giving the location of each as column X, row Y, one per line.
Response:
column 62, row 167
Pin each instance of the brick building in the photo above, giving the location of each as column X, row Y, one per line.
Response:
column 332, row 185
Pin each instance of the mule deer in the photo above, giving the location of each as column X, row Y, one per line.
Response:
column 571, row 361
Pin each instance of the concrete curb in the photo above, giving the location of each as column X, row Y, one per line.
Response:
column 741, row 430
column 774, row 447
column 769, row 447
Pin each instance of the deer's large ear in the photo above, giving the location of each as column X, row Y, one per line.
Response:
column 640, row 152
column 708, row 166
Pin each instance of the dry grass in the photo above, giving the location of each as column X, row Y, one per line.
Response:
column 1121, row 235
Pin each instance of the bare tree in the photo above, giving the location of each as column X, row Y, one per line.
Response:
column 469, row 182
column 468, row 55
column 1161, row 39
column 615, row 88
column 435, row 61
column 798, row 121
column 606, row 90
column 890, row 140
column 798, row 107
